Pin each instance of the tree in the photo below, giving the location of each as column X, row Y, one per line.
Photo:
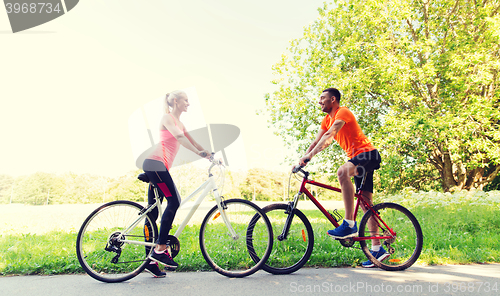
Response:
column 38, row 189
column 6, row 183
column 188, row 178
column 127, row 187
column 232, row 184
column 421, row 76
column 494, row 185
column 263, row 185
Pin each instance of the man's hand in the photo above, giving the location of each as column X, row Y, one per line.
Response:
column 305, row 159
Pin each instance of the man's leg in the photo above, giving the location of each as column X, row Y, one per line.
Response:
column 344, row 174
column 372, row 224
column 377, row 250
column 348, row 228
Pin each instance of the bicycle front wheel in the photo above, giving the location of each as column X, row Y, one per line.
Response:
column 109, row 252
column 404, row 248
column 290, row 251
column 225, row 241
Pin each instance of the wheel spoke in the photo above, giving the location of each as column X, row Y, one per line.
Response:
column 233, row 255
column 291, row 253
column 101, row 248
column 404, row 248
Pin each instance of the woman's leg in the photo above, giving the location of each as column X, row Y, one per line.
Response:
column 163, row 181
column 173, row 203
column 153, row 214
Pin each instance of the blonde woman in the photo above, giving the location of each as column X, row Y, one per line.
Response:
column 172, row 134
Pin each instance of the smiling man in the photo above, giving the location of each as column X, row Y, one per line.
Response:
column 341, row 125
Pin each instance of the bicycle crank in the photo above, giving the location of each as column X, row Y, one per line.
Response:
column 390, row 240
column 175, row 245
column 347, row 242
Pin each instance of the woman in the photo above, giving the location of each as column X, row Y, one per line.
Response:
column 172, row 134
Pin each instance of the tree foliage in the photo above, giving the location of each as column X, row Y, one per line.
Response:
column 37, row 189
column 6, row 183
column 45, row 188
column 421, row 76
column 70, row 188
column 264, row 185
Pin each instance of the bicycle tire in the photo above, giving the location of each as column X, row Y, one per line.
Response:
column 96, row 248
column 407, row 244
column 291, row 254
column 231, row 256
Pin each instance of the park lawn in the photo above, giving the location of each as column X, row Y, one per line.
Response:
column 453, row 234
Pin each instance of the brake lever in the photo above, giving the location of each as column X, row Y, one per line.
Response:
column 298, row 168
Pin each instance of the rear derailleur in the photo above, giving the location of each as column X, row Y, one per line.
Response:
column 114, row 245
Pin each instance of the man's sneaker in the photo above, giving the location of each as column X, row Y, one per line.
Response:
column 344, row 231
column 164, row 258
column 153, row 269
column 381, row 255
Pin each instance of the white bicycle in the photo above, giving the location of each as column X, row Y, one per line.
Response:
column 115, row 240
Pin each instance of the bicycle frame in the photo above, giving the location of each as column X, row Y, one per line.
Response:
column 205, row 188
column 359, row 200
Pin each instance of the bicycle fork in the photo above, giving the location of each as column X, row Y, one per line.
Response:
column 222, row 211
column 289, row 210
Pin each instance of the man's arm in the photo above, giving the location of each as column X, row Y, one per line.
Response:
column 320, row 134
column 323, row 142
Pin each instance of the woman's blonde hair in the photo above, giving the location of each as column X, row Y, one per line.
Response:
column 170, row 99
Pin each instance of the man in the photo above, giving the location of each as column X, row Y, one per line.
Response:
column 341, row 125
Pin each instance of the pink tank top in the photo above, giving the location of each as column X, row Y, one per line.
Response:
column 167, row 148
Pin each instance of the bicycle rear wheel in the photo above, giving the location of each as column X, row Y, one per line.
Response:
column 404, row 248
column 100, row 247
column 289, row 253
column 228, row 252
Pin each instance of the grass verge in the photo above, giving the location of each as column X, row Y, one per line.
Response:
column 453, row 234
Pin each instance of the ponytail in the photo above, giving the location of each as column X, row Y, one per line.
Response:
column 170, row 99
column 168, row 103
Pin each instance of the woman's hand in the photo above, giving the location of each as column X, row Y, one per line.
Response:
column 205, row 154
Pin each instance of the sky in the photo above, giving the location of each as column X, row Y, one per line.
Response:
column 69, row 87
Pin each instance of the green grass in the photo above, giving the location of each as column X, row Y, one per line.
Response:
column 454, row 233
column 52, row 253
column 460, row 234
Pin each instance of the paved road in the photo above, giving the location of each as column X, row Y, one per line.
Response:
column 417, row 280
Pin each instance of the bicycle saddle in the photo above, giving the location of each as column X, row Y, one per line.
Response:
column 143, row 177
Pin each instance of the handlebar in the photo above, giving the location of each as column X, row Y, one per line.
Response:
column 211, row 158
column 298, row 168
column 215, row 162
column 222, row 171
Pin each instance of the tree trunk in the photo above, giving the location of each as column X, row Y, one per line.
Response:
column 441, row 160
column 472, row 177
column 449, row 181
column 457, row 177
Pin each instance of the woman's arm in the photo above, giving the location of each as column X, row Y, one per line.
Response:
column 195, row 144
column 169, row 123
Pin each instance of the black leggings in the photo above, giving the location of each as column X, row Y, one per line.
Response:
column 160, row 177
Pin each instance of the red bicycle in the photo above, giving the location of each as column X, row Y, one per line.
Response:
column 395, row 226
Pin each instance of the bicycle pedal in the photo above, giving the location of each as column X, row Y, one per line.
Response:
column 336, row 215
